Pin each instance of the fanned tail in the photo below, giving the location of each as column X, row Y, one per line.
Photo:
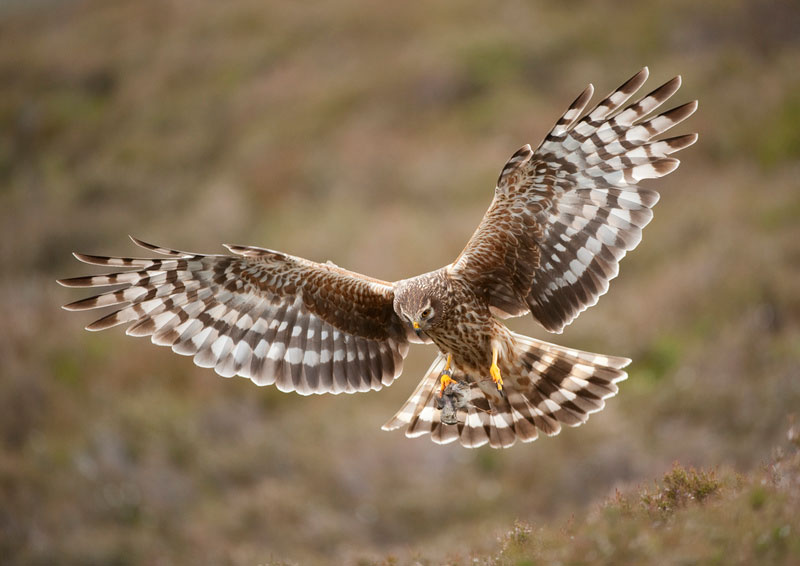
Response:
column 546, row 386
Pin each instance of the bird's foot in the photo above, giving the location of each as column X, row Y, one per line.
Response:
column 496, row 377
column 445, row 379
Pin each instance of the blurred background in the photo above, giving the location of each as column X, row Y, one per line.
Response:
column 370, row 134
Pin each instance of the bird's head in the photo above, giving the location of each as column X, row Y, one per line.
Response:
column 417, row 303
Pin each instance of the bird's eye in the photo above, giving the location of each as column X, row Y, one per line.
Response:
column 426, row 313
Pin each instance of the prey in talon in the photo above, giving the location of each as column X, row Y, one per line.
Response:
column 452, row 398
column 453, row 394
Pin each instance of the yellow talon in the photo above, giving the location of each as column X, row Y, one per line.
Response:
column 495, row 371
column 446, row 378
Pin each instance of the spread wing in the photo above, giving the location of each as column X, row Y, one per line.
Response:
column 260, row 314
column 563, row 216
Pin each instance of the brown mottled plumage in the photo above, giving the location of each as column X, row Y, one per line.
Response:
column 562, row 218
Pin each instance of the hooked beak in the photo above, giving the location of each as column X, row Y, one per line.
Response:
column 417, row 329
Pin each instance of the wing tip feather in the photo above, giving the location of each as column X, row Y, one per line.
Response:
column 639, row 78
column 674, row 83
column 142, row 243
column 158, row 249
column 77, row 282
column 79, row 305
column 666, row 165
column 81, row 257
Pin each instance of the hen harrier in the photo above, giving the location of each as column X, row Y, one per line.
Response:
column 562, row 218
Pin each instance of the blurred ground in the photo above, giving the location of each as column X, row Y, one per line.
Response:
column 370, row 134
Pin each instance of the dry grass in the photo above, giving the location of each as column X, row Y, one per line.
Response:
column 371, row 136
column 691, row 517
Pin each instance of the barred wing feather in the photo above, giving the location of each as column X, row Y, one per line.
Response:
column 260, row 314
column 565, row 214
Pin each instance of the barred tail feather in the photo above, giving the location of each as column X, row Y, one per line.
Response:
column 546, row 386
column 563, row 386
column 421, row 396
